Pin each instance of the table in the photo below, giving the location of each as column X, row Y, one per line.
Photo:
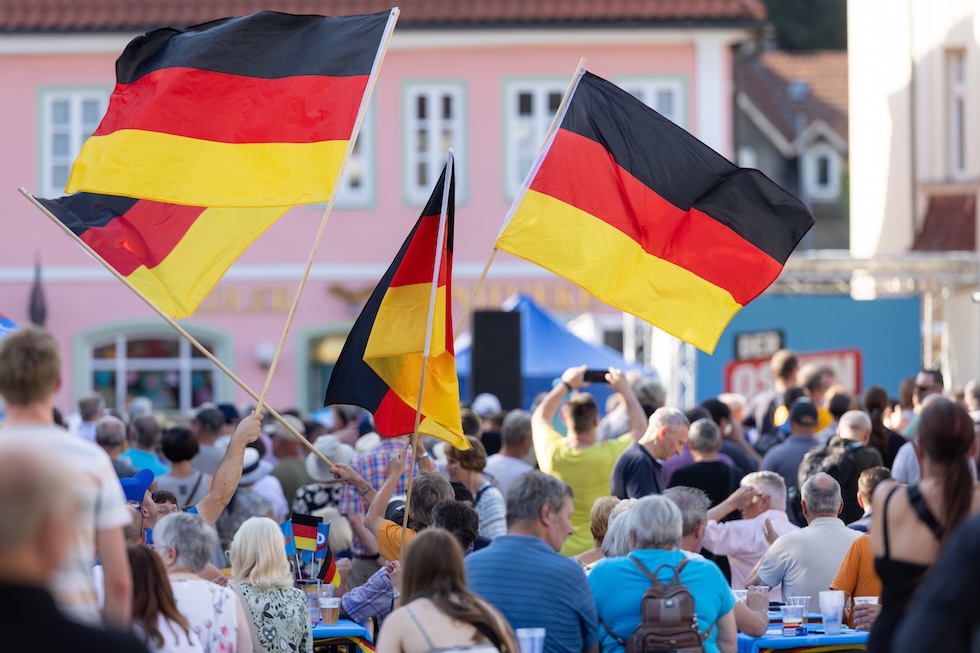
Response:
column 773, row 640
column 345, row 634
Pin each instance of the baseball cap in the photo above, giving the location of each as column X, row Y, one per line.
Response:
column 803, row 412
column 485, row 404
column 136, row 486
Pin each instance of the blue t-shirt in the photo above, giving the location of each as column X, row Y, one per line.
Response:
column 618, row 586
column 145, row 460
column 535, row 587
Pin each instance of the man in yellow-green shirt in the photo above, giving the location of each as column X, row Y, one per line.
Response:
column 578, row 459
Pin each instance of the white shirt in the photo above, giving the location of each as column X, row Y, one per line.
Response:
column 270, row 488
column 744, row 542
column 807, row 560
column 175, row 640
column 906, row 468
column 505, row 470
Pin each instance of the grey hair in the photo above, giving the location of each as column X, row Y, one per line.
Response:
column 110, row 431
column 516, row 427
column 531, row 492
column 821, row 492
column 146, row 431
column 669, row 417
column 190, row 536
column 705, row 436
column 90, row 406
column 617, row 541
column 693, row 504
column 855, row 421
column 650, row 391
column 138, row 407
column 655, row 522
column 733, row 400
column 769, row 483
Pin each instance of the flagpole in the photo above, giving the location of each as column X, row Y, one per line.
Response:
column 440, row 242
column 173, row 323
column 369, row 89
column 545, row 146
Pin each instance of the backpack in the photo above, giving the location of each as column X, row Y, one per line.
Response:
column 840, row 462
column 668, row 623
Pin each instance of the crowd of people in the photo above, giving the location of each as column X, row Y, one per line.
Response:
column 123, row 530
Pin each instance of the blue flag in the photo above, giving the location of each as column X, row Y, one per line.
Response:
column 6, row 325
column 287, row 532
column 322, row 536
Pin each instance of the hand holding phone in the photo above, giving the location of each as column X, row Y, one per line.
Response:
column 595, row 376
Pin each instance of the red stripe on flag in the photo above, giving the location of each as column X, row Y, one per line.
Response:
column 416, row 266
column 221, row 107
column 393, row 417
column 303, row 530
column 582, row 173
column 144, row 235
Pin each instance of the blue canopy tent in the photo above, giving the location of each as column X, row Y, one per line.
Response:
column 548, row 348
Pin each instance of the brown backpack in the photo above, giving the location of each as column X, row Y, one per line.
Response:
column 668, row 623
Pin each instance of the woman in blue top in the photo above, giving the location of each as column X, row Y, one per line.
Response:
column 654, row 530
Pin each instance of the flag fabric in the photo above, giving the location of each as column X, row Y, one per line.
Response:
column 380, row 365
column 244, row 111
column 640, row 213
column 6, row 325
column 173, row 254
column 322, row 537
column 287, row 533
column 305, row 532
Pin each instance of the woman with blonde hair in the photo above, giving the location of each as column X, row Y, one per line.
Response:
column 434, row 593
column 260, row 570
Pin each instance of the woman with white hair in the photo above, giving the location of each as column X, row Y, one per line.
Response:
column 278, row 610
column 654, row 528
column 185, row 542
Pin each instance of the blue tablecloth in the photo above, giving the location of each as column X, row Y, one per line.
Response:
column 774, row 640
column 343, row 628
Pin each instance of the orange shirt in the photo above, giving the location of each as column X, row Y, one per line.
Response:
column 390, row 539
column 856, row 576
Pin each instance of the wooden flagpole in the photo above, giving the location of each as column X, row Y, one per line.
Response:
column 379, row 58
column 545, row 146
column 426, row 350
column 173, row 323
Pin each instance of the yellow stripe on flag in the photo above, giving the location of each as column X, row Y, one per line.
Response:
column 614, row 268
column 206, row 173
column 403, row 313
column 218, row 236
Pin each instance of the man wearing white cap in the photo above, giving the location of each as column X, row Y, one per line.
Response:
column 324, row 491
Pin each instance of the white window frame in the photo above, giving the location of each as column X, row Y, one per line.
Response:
column 830, row 191
column 76, row 130
column 362, row 161
column 433, row 157
column 537, row 124
column 185, row 364
column 647, row 89
column 957, row 113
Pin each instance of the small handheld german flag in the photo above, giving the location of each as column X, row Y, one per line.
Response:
column 305, row 531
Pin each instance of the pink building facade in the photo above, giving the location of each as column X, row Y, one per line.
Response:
column 487, row 88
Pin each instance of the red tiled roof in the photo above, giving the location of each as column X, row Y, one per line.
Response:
column 950, row 224
column 766, row 79
column 115, row 15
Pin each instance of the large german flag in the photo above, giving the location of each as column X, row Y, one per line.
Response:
column 650, row 220
column 245, row 111
column 173, row 254
column 380, row 366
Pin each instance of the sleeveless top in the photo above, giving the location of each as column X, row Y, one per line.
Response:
column 481, row 647
column 899, row 579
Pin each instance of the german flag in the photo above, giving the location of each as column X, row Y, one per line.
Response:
column 380, row 365
column 635, row 210
column 173, row 254
column 305, row 532
column 245, row 111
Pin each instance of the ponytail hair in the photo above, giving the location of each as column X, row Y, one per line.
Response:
column 945, row 437
column 877, row 403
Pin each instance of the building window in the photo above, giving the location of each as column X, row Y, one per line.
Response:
column 68, row 118
column 323, row 354
column 530, row 108
column 956, row 70
column 357, row 185
column 164, row 368
column 663, row 95
column 433, row 124
column 747, row 157
column 822, row 173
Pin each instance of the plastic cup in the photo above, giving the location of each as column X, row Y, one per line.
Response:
column 800, row 600
column 832, row 611
column 311, row 588
column 329, row 610
column 740, row 594
column 861, row 600
column 792, row 618
column 530, row 640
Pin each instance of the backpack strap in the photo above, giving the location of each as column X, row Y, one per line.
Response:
column 619, row 640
